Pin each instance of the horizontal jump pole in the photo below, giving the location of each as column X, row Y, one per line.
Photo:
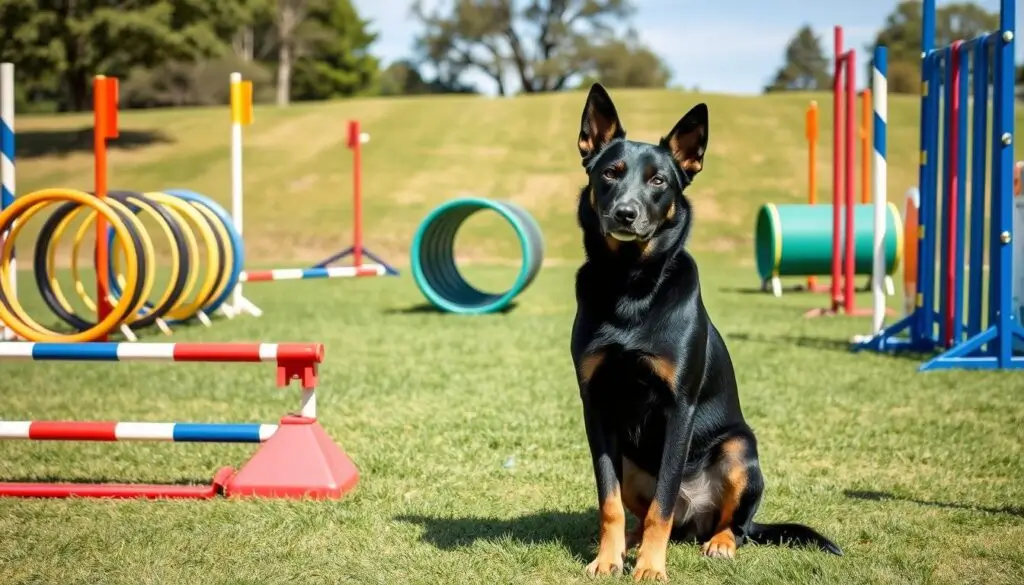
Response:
column 171, row 352
column 137, row 431
column 118, row 490
column 310, row 273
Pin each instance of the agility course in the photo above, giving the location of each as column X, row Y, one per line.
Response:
column 296, row 458
column 791, row 240
column 241, row 115
column 206, row 251
column 953, row 229
column 434, row 266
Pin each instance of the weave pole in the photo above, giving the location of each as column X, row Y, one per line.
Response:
column 811, row 126
column 105, row 90
column 7, row 189
column 881, row 108
column 969, row 341
column 296, row 458
column 843, row 200
column 241, row 115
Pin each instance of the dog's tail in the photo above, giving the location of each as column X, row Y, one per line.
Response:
column 791, row 534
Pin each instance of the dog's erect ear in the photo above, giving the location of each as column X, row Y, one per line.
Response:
column 689, row 139
column 600, row 124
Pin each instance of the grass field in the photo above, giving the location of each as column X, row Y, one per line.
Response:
column 467, row 430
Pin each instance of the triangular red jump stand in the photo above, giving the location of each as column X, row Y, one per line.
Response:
column 299, row 461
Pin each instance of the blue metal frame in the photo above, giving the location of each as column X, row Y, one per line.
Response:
column 976, row 344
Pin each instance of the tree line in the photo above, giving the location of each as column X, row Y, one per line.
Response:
column 806, row 66
column 180, row 52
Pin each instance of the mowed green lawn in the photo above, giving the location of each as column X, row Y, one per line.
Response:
column 467, row 430
column 474, row 466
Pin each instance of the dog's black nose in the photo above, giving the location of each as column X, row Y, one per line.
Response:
column 626, row 213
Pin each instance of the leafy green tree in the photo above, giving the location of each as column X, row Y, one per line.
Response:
column 620, row 63
column 339, row 63
column 319, row 48
column 806, row 67
column 901, row 35
column 64, row 44
column 404, row 78
column 542, row 43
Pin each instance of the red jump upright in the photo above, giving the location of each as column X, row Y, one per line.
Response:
column 843, row 191
column 296, row 458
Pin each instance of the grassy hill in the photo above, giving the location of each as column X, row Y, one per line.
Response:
column 427, row 149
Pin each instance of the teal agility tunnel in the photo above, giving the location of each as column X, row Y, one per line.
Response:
column 796, row 239
column 433, row 255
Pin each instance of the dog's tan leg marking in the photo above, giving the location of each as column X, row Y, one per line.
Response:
column 650, row 560
column 589, row 365
column 665, row 369
column 723, row 543
column 611, row 548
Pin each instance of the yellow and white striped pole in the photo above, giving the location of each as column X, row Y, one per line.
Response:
column 241, row 115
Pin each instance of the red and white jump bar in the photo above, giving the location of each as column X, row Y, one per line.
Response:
column 311, row 273
column 294, row 360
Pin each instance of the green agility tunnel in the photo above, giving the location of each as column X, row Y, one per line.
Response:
column 433, row 256
column 796, row 240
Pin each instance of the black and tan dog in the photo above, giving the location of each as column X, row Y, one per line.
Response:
column 660, row 403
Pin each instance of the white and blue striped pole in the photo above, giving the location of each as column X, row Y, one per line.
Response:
column 7, row 164
column 880, row 92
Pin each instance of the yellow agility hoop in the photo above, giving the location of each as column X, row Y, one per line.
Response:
column 227, row 257
column 15, row 218
column 148, row 255
column 183, row 310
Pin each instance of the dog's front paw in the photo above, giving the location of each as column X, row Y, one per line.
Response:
column 650, row 567
column 604, row 566
column 721, row 546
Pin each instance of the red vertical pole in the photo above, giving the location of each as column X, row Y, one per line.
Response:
column 100, row 109
column 952, row 176
column 355, row 141
column 848, row 166
column 837, row 80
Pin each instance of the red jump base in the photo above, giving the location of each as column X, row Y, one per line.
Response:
column 299, row 461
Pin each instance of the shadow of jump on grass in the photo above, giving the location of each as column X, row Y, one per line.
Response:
column 576, row 531
column 428, row 308
column 883, row 496
column 39, row 143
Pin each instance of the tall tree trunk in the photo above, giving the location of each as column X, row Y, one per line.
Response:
column 289, row 14
column 284, row 74
column 78, row 90
column 243, row 43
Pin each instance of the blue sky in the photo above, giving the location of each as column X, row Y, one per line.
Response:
column 731, row 46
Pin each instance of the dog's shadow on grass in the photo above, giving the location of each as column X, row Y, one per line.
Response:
column 576, row 531
column 877, row 496
column 813, row 342
column 428, row 309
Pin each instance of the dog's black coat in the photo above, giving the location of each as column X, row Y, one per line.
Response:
column 660, row 400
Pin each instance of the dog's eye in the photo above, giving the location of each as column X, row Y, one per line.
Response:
column 657, row 181
column 608, row 173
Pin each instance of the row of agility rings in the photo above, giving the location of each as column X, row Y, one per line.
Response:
column 200, row 280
